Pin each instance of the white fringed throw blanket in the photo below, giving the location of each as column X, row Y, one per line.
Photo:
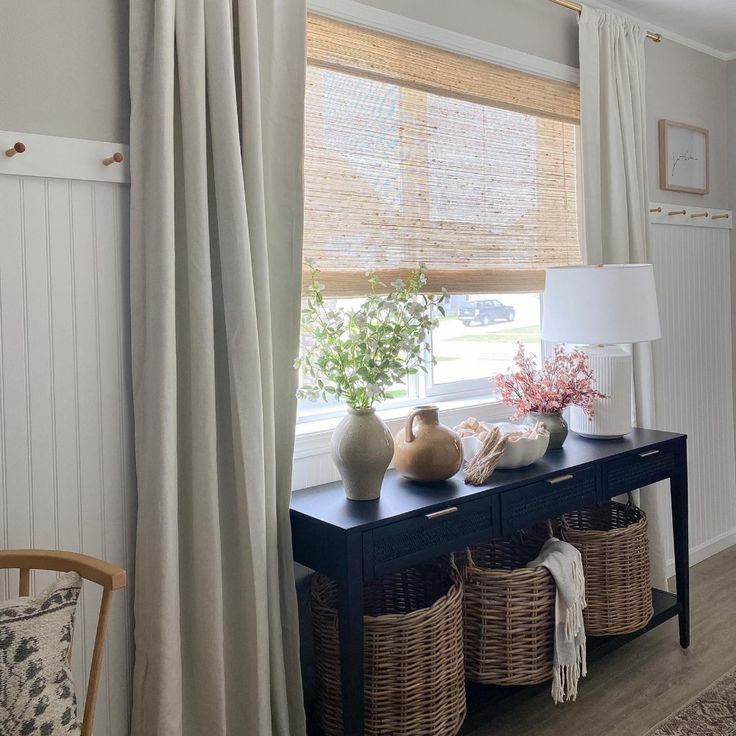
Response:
column 566, row 567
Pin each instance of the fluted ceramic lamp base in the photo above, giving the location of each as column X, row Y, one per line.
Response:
column 612, row 370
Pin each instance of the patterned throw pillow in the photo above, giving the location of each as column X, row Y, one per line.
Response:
column 37, row 696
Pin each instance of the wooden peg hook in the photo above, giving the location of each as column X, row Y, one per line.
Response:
column 116, row 158
column 17, row 148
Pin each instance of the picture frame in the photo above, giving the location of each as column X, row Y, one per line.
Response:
column 683, row 158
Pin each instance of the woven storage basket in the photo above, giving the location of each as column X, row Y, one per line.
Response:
column 413, row 653
column 612, row 539
column 509, row 613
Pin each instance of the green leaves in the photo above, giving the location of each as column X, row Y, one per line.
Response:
column 359, row 354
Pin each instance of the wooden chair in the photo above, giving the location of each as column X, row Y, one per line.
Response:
column 108, row 576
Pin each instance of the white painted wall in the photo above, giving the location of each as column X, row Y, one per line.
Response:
column 730, row 159
column 66, row 466
column 693, row 370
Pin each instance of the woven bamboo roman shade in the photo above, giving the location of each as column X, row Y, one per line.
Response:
column 418, row 155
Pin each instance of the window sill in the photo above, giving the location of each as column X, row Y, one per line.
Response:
column 313, row 438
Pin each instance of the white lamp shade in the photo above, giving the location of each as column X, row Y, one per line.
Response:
column 600, row 305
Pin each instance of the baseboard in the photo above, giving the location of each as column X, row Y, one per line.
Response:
column 706, row 549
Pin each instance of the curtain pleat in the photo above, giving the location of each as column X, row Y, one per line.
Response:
column 216, row 211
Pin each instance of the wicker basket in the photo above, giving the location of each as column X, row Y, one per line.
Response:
column 413, row 653
column 509, row 613
column 612, row 540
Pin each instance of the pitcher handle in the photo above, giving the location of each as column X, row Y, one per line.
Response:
column 409, row 426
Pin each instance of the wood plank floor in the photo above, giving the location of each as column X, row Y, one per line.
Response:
column 631, row 690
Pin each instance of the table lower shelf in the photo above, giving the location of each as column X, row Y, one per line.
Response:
column 486, row 701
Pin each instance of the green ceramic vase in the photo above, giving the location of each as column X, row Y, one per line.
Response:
column 554, row 423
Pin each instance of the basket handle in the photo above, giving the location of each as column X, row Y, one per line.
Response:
column 454, row 571
column 468, row 557
column 630, row 502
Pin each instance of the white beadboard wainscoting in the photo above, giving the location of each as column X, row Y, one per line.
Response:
column 66, row 460
column 693, row 362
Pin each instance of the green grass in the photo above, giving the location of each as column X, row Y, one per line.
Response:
column 399, row 393
column 530, row 334
column 445, row 358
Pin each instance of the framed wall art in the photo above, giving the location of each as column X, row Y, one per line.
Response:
column 683, row 157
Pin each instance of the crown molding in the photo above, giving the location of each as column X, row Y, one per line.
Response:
column 368, row 16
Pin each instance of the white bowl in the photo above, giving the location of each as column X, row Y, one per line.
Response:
column 519, row 452
column 523, row 451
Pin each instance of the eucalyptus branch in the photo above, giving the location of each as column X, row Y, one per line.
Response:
column 358, row 354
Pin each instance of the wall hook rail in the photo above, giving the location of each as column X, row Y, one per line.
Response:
column 56, row 157
column 693, row 216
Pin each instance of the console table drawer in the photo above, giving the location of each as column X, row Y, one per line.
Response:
column 394, row 546
column 633, row 471
column 523, row 507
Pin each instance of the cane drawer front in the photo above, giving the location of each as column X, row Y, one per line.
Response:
column 523, row 507
column 640, row 469
column 419, row 538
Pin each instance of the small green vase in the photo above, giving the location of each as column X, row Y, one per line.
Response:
column 554, row 423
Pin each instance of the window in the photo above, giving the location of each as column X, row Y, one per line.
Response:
column 478, row 338
column 414, row 154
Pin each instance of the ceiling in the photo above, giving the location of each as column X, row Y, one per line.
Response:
column 708, row 23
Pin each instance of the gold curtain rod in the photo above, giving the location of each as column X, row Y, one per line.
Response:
column 578, row 8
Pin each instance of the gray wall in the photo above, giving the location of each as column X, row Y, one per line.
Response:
column 64, row 68
column 533, row 26
column 689, row 87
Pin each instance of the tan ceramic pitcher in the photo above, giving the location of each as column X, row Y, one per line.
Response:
column 426, row 450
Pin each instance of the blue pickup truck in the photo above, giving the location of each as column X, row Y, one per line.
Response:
column 485, row 312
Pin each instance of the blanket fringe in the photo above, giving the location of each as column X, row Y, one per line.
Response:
column 565, row 677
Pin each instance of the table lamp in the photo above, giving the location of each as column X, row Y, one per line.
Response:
column 600, row 308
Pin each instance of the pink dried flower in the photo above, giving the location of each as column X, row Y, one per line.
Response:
column 563, row 380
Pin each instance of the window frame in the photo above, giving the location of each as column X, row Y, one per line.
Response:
column 313, row 433
column 471, row 392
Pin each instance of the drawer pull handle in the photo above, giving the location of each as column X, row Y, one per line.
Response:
column 442, row 512
column 559, row 479
column 649, row 453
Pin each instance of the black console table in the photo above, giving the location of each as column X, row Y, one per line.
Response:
column 353, row 542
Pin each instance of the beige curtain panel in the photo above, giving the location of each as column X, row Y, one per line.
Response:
column 418, row 155
column 217, row 91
